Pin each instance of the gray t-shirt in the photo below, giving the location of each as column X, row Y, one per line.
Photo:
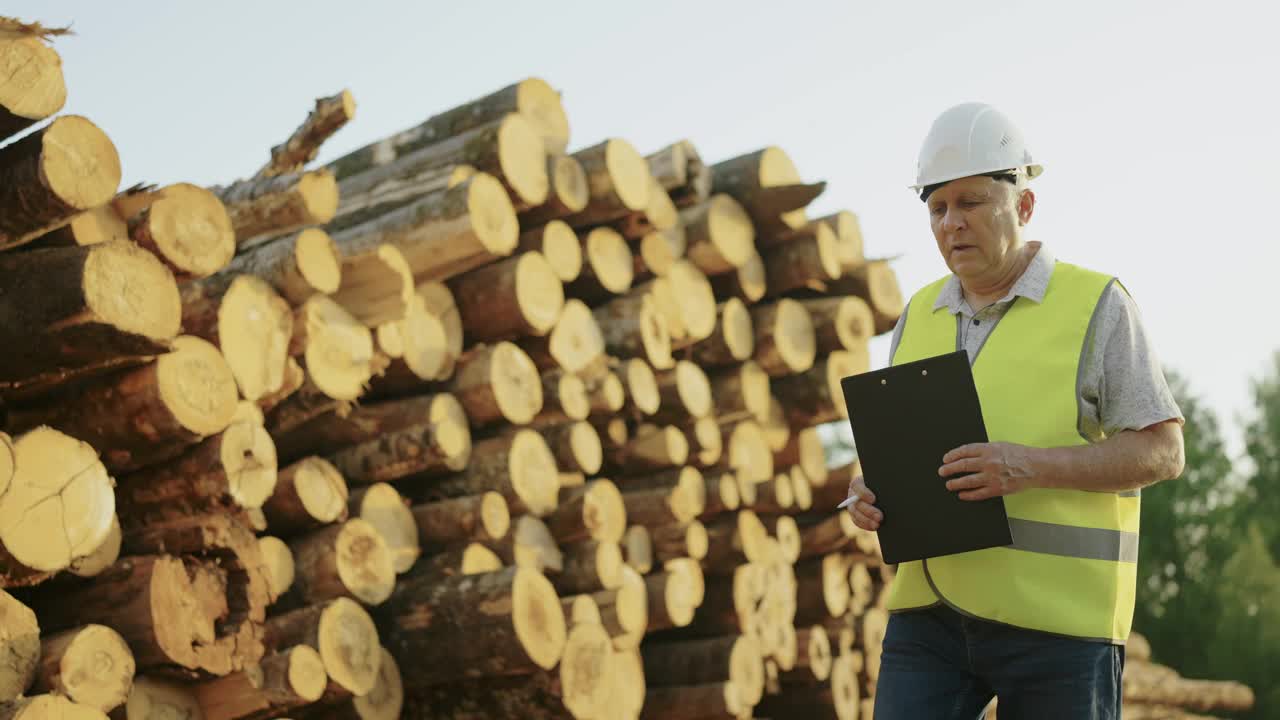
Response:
column 1121, row 387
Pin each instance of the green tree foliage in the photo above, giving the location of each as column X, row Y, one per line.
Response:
column 1262, row 444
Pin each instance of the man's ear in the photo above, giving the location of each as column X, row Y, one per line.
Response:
column 1026, row 206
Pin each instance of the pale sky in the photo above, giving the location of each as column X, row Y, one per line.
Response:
column 1156, row 121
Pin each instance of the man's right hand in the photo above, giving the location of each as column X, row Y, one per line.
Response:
column 865, row 515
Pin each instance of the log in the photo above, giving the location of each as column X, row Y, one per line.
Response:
column 876, row 283
column 617, row 182
column 294, row 380
column 95, row 225
column 823, row 587
column 801, row 489
column 281, row 682
column 497, row 383
column 735, row 539
column 589, row 566
column 469, row 559
column 20, row 640
column 733, row 340
column 388, row 512
column 741, row 393
column 564, row 401
column 106, row 554
column 425, row 344
column 804, row 449
column 186, row 226
column 57, row 505
column 840, row 323
column 277, row 204
column 634, row 327
column 537, row 696
column 842, row 698
column 624, row 610
column 814, row 397
column 277, row 559
column 575, row 345
column 90, row 665
column 334, row 347
column 679, row 169
column 569, row 191
column 722, row 495
column 532, row 98
column 747, row 283
column 384, row 702
column 48, row 706
column 680, row 501
column 719, row 235
column 776, row 431
column 171, row 403
column 590, row 511
column 659, row 214
column 810, row 263
column 833, row 534
column 476, row 518
column 344, row 634
column 153, row 697
column 694, row 702
column 376, row 287
column 34, row 89
column 47, row 177
column 747, row 178
column 637, row 549
column 606, row 395
column 684, row 392
column 91, row 307
column 642, row 395
column 344, row 427
column 342, row 560
column 248, row 321
column 706, row 444
column 685, row 297
column 659, row 250
column 688, row 540
column 559, row 244
column 775, row 495
column 651, row 448
column 747, row 454
column 230, row 471
column 438, row 443
column 607, row 267
column 329, row 115
column 309, row 494
column 784, row 338
column 519, row 466
column 674, row 594
column 736, row 659
column 520, row 295
column 442, row 234
column 501, row 623
column 296, row 265
column 576, row 447
column 505, row 147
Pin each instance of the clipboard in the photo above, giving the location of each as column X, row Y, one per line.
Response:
column 904, row 419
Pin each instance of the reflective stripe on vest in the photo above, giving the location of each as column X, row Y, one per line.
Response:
column 1071, row 569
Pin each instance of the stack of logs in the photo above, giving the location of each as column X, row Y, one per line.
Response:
column 459, row 425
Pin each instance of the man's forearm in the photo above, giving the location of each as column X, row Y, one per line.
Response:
column 1128, row 460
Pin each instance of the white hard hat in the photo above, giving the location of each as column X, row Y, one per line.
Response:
column 972, row 139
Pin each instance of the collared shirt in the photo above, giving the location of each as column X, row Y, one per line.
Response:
column 1121, row 385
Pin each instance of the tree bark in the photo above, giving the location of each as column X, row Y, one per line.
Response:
column 559, row 244
column 840, row 323
column 634, row 327
column 741, row 393
column 877, row 284
column 474, row 518
column 617, row 182
column 736, row 659
column 693, row 702
column 814, row 397
column 748, row 283
column 510, row 298
column 655, row 448
column 47, row 177
column 684, row 392
column 784, row 338
column 674, row 594
column 439, row 441
column 80, row 308
column 733, row 340
column 309, row 494
column 706, row 444
column 20, row 638
column 719, row 234
column 329, row 116
column 502, row 623
column 576, row 447
column 688, row 540
column 679, row 169
column 804, row 448
column 722, row 495
column 811, row 263
column 95, row 225
column 589, row 566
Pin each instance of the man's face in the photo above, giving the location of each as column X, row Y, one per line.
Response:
column 976, row 223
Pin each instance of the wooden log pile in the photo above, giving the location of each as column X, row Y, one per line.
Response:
column 462, row 424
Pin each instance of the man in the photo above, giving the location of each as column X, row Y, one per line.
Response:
column 1080, row 420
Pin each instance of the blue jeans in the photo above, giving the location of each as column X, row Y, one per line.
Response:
column 940, row 665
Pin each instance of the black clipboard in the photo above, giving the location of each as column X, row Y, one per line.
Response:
column 905, row 418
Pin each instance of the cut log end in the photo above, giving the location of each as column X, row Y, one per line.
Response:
column 197, row 386
column 609, row 259
column 36, row 88
column 321, row 488
column 628, row 173
column 306, row 675
column 386, row 699
column 539, row 102
column 153, row 697
column 348, row 645
column 537, row 617
column 92, row 666
column 383, row 507
column 638, row 548
column 249, row 462
column 642, row 386
column 277, row 558
column 338, row 350
column 568, row 183
column 495, row 515
column 785, row 342
column 523, row 159
column 127, row 288
column 562, row 248
column 365, row 562
column 79, row 163
column 585, row 670
column 576, row 342
column 736, row 329
column 532, row 470
column 189, row 227
column 493, row 218
column 318, row 260
column 60, row 504
column 539, row 292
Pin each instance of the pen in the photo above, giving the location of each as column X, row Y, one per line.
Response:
column 847, row 502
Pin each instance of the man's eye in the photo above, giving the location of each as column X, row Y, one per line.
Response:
column 937, row 210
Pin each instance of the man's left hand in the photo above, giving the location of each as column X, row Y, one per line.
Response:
column 998, row 469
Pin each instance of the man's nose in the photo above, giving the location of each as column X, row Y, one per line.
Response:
column 953, row 220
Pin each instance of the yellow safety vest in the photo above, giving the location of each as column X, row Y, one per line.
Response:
column 1072, row 567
